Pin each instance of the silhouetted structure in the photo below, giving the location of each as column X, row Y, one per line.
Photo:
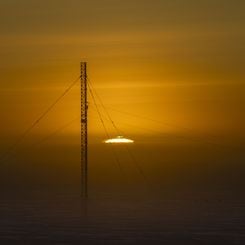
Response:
column 84, row 131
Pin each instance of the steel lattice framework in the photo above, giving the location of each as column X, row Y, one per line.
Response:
column 84, row 131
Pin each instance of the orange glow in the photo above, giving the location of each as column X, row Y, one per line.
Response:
column 119, row 140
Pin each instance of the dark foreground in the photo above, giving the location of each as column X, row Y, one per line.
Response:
column 64, row 219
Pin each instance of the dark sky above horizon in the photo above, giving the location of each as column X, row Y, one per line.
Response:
column 174, row 61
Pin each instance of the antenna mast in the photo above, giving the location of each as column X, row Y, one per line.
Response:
column 84, row 131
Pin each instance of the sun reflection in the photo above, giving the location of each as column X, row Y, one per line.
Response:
column 119, row 140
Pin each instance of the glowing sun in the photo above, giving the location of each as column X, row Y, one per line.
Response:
column 119, row 140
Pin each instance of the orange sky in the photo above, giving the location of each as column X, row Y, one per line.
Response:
column 178, row 62
column 177, row 65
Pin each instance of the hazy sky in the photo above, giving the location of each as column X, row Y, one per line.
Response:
column 180, row 62
column 177, row 62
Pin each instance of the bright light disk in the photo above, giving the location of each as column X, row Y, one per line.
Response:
column 119, row 140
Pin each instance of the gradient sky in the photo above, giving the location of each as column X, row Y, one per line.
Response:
column 181, row 62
